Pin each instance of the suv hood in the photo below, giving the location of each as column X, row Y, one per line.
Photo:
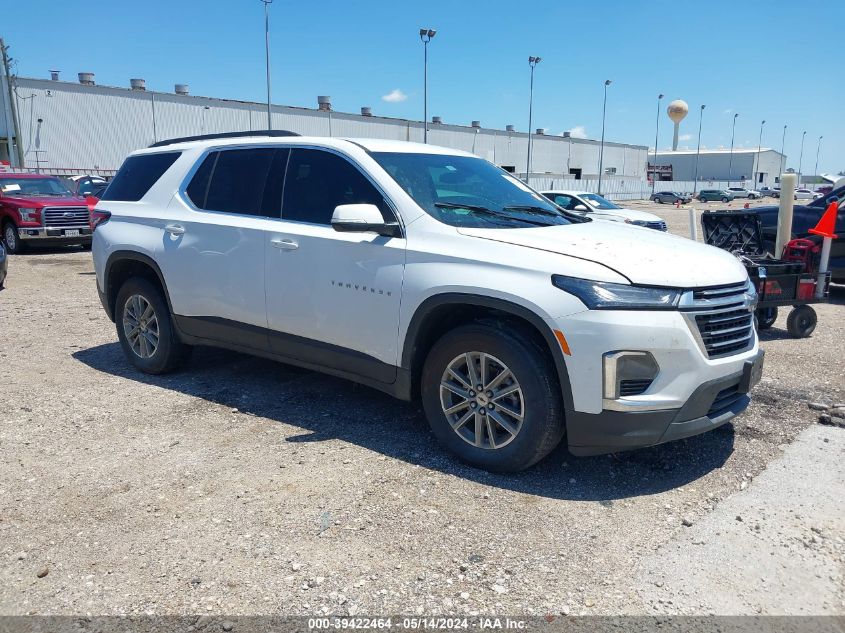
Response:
column 645, row 256
column 45, row 201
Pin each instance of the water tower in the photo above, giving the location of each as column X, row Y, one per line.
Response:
column 677, row 110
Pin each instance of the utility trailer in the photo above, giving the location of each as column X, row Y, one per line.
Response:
column 789, row 281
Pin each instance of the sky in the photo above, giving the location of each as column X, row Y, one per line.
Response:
column 770, row 60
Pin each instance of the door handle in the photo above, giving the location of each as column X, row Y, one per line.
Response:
column 284, row 243
column 175, row 229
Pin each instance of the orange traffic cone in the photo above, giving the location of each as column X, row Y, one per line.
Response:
column 828, row 222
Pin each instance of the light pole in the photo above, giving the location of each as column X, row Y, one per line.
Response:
column 425, row 36
column 782, row 146
column 656, row 132
column 607, row 82
column 532, row 62
column 267, row 4
column 801, row 157
column 731, row 160
column 759, row 143
column 698, row 150
column 818, row 149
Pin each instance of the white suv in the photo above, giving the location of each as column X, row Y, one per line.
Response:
column 426, row 273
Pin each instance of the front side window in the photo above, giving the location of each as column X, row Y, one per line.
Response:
column 137, row 175
column 469, row 192
column 318, row 181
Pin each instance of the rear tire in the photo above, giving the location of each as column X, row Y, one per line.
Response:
column 13, row 242
column 145, row 328
column 801, row 321
column 517, row 417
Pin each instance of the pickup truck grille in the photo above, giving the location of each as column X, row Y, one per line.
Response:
column 66, row 217
column 723, row 318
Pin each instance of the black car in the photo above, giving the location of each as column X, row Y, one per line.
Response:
column 3, row 266
column 804, row 218
column 671, row 197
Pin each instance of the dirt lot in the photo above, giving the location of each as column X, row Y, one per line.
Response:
column 241, row 486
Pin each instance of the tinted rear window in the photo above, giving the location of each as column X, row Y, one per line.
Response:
column 238, row 181
column 137, row 175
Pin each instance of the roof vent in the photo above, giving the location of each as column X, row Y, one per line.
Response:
column 137, row 84
column 541, row 131
column 86, row 79
column 476, row 124
column 436, row 119
column 324, row 103
column 54, row 75
column 181, row 89
column 366, row 111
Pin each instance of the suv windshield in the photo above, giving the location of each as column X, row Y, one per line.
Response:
column 33, row 187
column 468, row 192
column 597, row 202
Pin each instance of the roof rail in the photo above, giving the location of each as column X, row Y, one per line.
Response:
column 208, row 137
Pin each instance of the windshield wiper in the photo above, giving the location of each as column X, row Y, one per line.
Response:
column 488, row 212
column 530, row 208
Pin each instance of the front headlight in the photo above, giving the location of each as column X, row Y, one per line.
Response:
column 28, row 215
column 600, row 295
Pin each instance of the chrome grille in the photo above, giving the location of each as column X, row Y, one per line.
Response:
column 66, row 217
column 660, row 226
column 723, row 318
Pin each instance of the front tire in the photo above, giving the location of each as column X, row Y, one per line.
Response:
column 516, row 417
column 726, row 199
column 145, row 328
column 702, row 199
column 11, row 239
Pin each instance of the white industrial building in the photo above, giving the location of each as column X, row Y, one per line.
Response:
column 750, row 166
column 69, row 127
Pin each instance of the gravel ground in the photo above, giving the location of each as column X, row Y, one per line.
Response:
column 242, row 486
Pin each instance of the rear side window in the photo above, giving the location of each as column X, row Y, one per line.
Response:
column 233, row 181
column 319, row 181
column 137, row 175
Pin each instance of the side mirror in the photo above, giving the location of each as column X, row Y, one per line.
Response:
column 581, row 207
column 362, row 218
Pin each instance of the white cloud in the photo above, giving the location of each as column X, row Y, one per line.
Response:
column 394, row 96
column 579, row 131
column 728, row 111
column 685, row 137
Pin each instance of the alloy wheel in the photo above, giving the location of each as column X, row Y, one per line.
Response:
column 140, row 324
column 482, row 400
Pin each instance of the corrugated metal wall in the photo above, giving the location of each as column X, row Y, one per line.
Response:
column 93, row 128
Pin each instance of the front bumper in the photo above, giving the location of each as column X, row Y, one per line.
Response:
column 710, row 406
column 55, row 235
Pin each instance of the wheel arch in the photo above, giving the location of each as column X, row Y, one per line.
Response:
column 440, row 313
column 122, row 265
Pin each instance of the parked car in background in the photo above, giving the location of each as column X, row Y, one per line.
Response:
column 823, row 189
column 671, row 197
column 39, row 209
column 4, row 266
column 428, row 273
column 806, row 194
column 804, row 218
column 772, row 192
column 708, row 195
column 85, row 186
column 742, row 192
column 600, row 208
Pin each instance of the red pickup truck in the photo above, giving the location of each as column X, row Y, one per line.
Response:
column 39, row 209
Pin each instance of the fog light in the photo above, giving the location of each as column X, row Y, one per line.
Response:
column 628, row 373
